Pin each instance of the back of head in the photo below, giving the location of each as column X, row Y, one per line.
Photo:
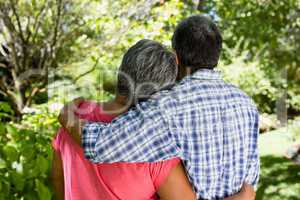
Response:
column 146, row 67
column 197, row 42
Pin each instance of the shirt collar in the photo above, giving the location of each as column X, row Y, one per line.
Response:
column 205, row 74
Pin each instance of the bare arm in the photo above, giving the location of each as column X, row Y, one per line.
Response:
column 57, row 176
column 247, row 193
column 70, row 121
column 146, row 138
column 176, row 186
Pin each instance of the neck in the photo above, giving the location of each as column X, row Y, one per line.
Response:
column 117, row 106
column 183, row 72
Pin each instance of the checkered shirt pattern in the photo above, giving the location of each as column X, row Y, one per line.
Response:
column 208, row 123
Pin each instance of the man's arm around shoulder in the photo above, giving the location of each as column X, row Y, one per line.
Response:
column 141, row 135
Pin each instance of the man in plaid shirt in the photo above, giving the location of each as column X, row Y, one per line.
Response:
column 208, row 123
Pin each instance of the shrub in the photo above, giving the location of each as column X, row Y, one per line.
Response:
column 25, row 156
column 253, row 80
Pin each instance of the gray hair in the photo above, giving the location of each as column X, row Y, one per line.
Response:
column 147, row 67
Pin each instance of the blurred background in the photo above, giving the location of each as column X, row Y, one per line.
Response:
column 52, row 51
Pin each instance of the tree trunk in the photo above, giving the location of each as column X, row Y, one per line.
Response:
column 17, row 105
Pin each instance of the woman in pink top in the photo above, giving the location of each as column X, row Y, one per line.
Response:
column 146, row 67
column 145, row 62
column 84, row 180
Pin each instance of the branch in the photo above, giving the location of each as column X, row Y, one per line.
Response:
column 7, row 92
column 18, row 20
column 14, row 58
column 87, row 72
column 57, row 22
column 54, row 38
column 3, row 66
column 16, row 104
column 3, row 89
column 23, row 43
column 3, row 93
column 42, row 57
column 28, row 29
column 37, row 22
column 3, row 84
column 7, row 21
column 32, row 94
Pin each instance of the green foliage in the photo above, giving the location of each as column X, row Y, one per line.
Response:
column 269, row 31
column 261, row 41
column 25, row 157
column 249, row 28
column 37, row 37
column 279, row 179
column 251, row 79
column 6, row 111
column 293, row 94
column 269, row 27
column 294, row 128
column 114, row 27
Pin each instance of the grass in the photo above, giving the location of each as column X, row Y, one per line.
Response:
column 279, row 177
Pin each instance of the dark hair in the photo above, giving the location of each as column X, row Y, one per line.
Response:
column 197, row 42
column 146, row 67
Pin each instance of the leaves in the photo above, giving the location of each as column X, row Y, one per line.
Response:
column 43, row 192
column 262, row 38
column 39, row 44
column 11, row 129
column 5, row 107
column 42, row 163
column 10, row 153
column 2, row 128
column 27, row 151
column 2, row 164
column 5, row 189
column 25, row 156
column 271, row 28
column 17, row 180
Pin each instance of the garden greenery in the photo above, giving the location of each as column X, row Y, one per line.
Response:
column 261, row 39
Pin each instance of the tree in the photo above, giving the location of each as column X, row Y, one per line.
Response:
column 35, row 38
column 270, row 32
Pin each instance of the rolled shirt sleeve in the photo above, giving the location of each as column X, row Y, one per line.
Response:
column 210, row 125
column 140, row 135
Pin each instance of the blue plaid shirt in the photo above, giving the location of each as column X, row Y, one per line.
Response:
column 210, row 124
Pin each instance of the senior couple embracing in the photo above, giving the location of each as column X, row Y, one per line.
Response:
column 175, row 129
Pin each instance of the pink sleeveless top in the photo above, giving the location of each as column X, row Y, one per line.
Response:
column 118, row 181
